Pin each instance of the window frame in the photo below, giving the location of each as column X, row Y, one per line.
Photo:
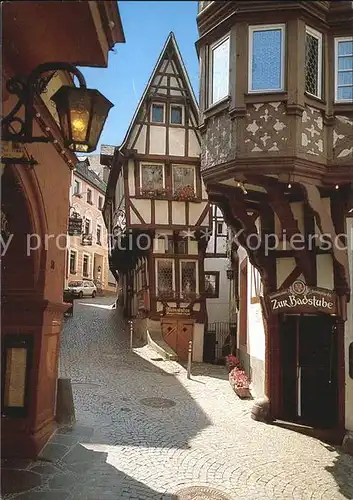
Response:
column 162, row 104
column 180, row 262
column 216, row 294
column 89, row 225
column 99, row 227
column 88, row 264
column 75, row 252
column 78, row 184
column 180, row 106
column 337, row 40
column 100, row 202
column 151, row 163
column 169, row 259
column 90, row 197
column 211, row 48
column 177, row 165
column 266, row 27
column 319, row 36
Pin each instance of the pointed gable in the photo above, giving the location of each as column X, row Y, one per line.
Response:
column 168, row 102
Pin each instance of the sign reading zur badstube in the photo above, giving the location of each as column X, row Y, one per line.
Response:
column 302, row 298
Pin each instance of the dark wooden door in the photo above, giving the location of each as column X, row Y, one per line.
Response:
column 317, row 364
column 309, row 370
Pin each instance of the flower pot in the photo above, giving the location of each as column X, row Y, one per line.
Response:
column 242, row 392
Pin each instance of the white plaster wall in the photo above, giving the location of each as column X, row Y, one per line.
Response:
column 140, row 144
column 284, row 267
column 177, row 141
column 324, row 267
column 195, row 211
column 157, row 140
column 256, row 342
column 144, row 209
column 349, row 332
column 161, row 212
column 197, row 354
column 178, row 213
column 194, row 146
column 218, row 309
column 131, row 178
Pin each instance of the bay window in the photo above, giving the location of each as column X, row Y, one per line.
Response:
column 266, row 58
column 344, row 69
column 313, row 62
column 219, row 70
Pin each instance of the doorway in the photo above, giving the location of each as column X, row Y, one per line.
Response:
column 309, row 365
column 177, row 333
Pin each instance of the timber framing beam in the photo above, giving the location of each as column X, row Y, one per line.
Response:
column 281, row 206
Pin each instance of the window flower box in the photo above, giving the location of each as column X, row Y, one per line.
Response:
column 185, row 193
column 154, row 193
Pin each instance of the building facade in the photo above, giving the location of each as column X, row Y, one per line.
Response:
column 276, row 118
column 87, row 255
column 35, row 209
column 158, row 209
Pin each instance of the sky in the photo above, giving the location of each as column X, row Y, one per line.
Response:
column 146, row 25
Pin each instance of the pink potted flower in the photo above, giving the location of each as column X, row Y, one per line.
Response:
column 240, row 383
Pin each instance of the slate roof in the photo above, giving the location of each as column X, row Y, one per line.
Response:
column 88, row 174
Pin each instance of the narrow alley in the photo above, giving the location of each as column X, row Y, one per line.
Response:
column 144, row 431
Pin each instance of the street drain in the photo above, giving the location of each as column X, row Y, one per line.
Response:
column 200, row 493
column 158, row 402
column 157, row 359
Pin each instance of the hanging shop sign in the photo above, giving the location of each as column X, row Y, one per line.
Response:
column 75, row 225
column 177, row 311
column 300, row 298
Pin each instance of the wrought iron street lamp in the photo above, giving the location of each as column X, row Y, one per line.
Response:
column 82, row 112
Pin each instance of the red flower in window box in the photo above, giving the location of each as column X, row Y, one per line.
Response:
column 186, row 193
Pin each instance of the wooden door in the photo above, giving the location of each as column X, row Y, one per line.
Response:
column 317, row 364
column 170, row 333
column 177, row 333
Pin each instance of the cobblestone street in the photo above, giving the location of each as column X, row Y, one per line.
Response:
column 144, row 431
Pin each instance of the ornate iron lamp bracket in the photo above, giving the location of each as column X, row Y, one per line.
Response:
column 17, row 129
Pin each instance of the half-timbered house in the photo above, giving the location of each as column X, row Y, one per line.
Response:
column 157, row 208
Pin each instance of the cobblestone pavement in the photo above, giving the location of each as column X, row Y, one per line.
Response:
column 144, row 431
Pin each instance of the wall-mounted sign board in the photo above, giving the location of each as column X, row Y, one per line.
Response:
column 300, row 298
column 177, row 311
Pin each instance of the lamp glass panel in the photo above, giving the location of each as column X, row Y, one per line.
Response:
column 15, row 377
column 100, row 107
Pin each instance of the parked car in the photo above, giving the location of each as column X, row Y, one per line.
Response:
column 84, row 288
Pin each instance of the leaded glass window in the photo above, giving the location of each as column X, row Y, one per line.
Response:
column 313, row 62
column 152, row 177
column 183, row 176
column 266, row 54
column 219, row 70
column 165, row 276
column 344, row 69
column 188, row 276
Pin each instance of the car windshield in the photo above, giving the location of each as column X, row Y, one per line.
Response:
column 73, row 284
